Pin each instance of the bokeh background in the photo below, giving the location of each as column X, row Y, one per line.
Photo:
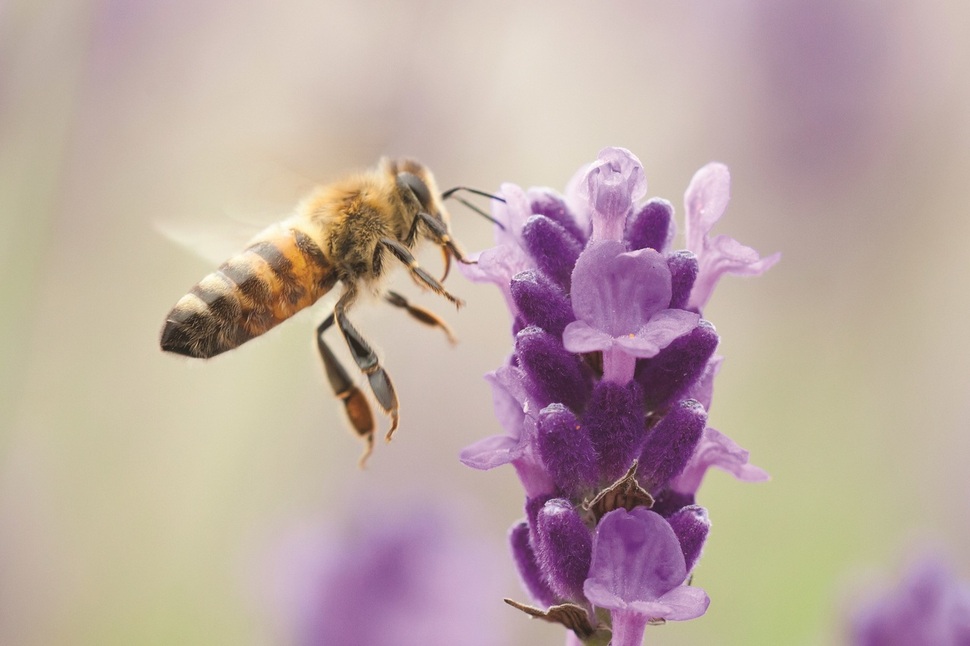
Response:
column 142, row 496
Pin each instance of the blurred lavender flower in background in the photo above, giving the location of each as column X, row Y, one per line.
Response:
column 604, row 399
column 929, row 607
column 396, row 576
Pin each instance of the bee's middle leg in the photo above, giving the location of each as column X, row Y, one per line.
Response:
column 420, row 275
column 424, row 316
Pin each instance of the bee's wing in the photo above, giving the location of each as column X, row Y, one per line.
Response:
column 270, row 199
column 213, row 242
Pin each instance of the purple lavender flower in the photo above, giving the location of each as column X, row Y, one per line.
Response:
column 706, row 200
column 639, row 573
column 516, row 413
column 621, row 300
column 930, row 607
column 604, row 399
column 716, row 450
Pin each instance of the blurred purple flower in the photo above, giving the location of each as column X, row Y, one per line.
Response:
column 835, row 82
column 604, row 398
column 930, row 607
column 396, row 577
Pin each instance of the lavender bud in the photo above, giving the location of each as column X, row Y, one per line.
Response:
column 541, row 302
column 555, row 374
column 671, row 444
column 554, row 249
column 670, row 374
column 615, row 423
column 691, row 525
column 565, row 548
column 532, row 507
column 650, row 226
column 528, row 565
column 547, row 202
column 683, row 272
column 566, row 450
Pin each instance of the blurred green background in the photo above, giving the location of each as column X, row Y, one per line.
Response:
column 140, row 493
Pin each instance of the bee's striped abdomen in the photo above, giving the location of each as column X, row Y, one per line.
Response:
column 270, row 281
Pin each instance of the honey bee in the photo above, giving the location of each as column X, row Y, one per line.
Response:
column 350, row 232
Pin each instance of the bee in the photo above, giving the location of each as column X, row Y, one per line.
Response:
column 350, row 232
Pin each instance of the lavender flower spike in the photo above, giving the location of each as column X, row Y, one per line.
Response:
column 598, row 397
column 706, row 200
column 638, row 573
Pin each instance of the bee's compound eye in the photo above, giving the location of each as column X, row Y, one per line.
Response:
column 417, row 186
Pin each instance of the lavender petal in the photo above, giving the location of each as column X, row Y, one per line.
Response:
column 717, row 450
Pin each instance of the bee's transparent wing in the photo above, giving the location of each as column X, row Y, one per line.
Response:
column 213, row 242
column 273, row 194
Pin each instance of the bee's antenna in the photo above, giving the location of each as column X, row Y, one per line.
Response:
column 451, row 193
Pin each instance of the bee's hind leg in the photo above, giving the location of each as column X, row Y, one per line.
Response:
column 424, row 316
column 358, row 410
column 366, row 360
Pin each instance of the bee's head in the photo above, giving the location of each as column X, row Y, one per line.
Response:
column 415, row 179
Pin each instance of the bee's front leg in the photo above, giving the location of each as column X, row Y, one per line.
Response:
column 442, row 236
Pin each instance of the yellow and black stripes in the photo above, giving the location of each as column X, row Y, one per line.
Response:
column 267, row 283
